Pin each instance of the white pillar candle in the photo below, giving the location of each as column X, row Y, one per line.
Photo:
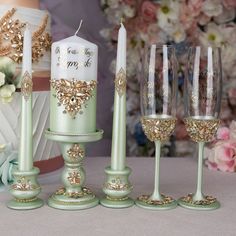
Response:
column 74, row 59
column 25, row 158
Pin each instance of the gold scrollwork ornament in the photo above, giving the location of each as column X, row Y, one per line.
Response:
column 72, row 94
column 75, row 152
column 26, row 85
column 120, row 82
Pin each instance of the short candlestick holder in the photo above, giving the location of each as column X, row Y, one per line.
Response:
column 25, row 190
column 73, row 196
column 117, row 188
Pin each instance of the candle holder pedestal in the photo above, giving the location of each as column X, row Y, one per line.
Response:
column 25, row 190
column 117, row 188
column 73, row 196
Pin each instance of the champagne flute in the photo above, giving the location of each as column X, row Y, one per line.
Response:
column 203, row 89
column 158, row 109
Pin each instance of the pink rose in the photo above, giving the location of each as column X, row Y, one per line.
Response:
column 229, row 3
column 148, row 11
column 223, row 133
column 222, row 156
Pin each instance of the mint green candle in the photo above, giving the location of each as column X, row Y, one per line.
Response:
column 118, row 153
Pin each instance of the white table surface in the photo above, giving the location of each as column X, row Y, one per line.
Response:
column 178, row 177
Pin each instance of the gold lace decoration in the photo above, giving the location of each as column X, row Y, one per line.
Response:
column 165, row 200
column 208, row 200
column 26, row 85
column 201, row 130
column 117, row 184
column 11, row 38
column 75, row 152
column 85, row 192
column 24, row 184
column 72, row 94
column 74, row 177
column 120, row 82
column 158, row 128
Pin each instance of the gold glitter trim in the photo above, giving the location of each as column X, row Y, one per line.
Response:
column 158, row 128
column 206, row 201
column 74, row 177
column 85, row 192
column 26, row 200
column 11, row 38
column 116, row 199
column 201, row 130
column 75, row 152
column 24, row 184
column 120, row 82
column 26, row 85
column 117, row 184
column 72, row 94
column 164, row 201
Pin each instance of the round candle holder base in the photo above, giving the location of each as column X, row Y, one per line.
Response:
column 117, row 188
column 206, row 204
column 73, row 196
column 167, row 203
column 25, row 190
column 73, row 200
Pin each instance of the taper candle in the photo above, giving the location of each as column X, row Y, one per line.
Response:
column 73, row 86
column 25, row 158
column 118, row 153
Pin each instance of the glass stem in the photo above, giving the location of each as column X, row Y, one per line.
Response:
column 198, row 195
column 156, row 194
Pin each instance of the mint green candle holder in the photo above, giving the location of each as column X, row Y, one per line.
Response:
column 117, row 188
column 73, row 195
column 25, row 190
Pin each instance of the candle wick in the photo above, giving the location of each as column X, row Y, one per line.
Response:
column 122, row 20
column 80, row 24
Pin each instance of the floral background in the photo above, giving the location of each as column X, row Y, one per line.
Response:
column 180, row 23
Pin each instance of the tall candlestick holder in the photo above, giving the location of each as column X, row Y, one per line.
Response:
column 73, row 195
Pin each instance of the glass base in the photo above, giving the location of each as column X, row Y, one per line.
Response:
column 117, row 203
column 206, row 204
column 166, row 203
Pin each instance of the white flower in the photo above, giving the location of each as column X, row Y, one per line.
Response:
column 2, row 79
column 6, row 92
column 212, row 8
column 113, row 3
column 129, row 11
column 8, row 63
column 228, row 57
column 213, row 36
column 178, row 33
column 168, row 14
